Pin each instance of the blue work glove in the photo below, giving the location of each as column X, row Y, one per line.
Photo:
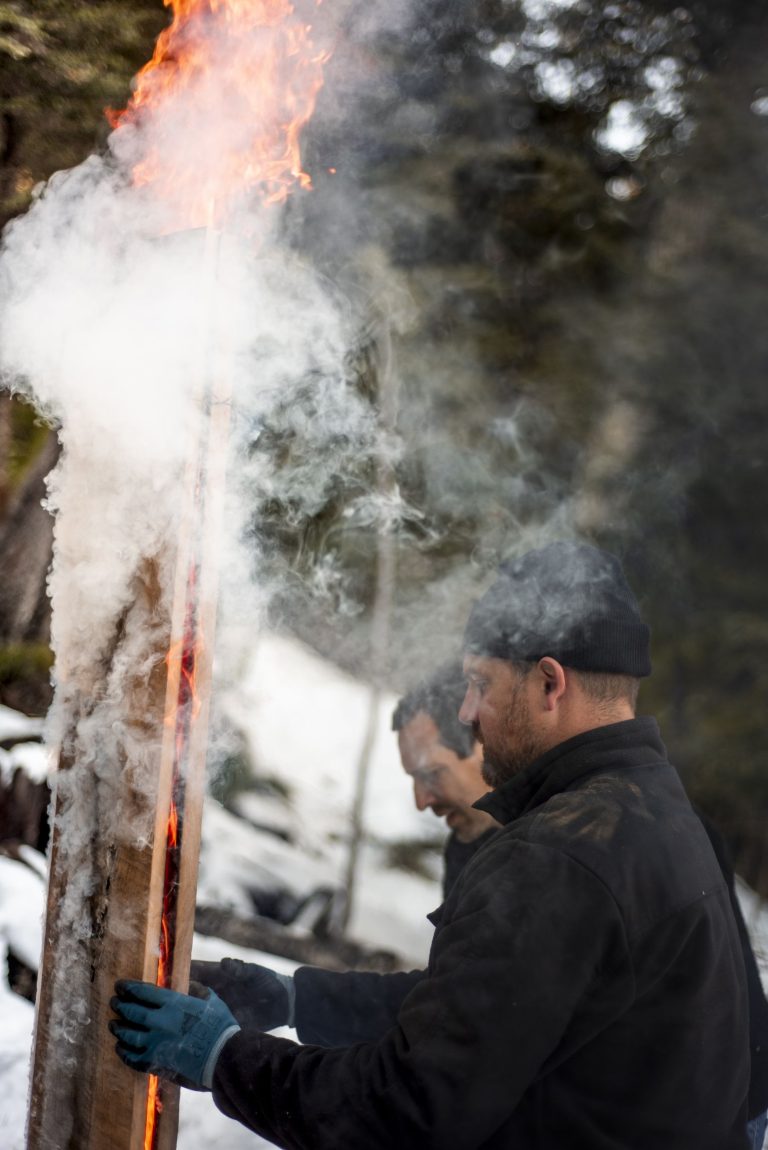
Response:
column 178, row 1036
column 257, row 996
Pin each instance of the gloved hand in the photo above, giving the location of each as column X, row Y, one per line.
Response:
column 257, row 996
column 178, row 1036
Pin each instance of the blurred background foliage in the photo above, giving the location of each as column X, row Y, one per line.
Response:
column 557, row 211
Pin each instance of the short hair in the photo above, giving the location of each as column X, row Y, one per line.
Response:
column 601, row 687
column 606, row 688
column 440, row 696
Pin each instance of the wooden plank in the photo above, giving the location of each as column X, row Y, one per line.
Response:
column 197, row 568
column 96, row 921
column 210, row 544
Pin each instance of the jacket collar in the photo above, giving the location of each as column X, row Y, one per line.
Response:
column 631, row 743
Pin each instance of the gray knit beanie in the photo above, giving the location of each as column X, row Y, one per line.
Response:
column 566, row 600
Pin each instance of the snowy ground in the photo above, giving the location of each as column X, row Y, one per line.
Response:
column 22, row 892
column 315, row 760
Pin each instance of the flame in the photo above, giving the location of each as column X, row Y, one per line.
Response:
column 185, row 654
column 172, row 836
column 220, row 107
column 154, row 1107
column 165, row 958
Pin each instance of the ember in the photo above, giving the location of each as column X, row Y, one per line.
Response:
column 187, row 707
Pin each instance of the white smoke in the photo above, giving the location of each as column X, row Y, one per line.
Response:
column 114, row 333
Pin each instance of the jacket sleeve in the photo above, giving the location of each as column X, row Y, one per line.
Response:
column 510, row 963
column 340, row 1009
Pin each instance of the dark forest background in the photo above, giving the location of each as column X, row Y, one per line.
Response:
column 563, row 323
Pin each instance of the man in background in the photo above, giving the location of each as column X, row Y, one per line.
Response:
column 444, row 761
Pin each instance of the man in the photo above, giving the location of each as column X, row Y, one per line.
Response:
column 585, row 986
column 444, row 760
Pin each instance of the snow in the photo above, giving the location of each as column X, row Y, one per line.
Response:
column 202, row 1126
column 305, row 723
column 22, row 899
column 756, row 917
column 391, row 908
column 26, row 753
column 22, row 903
column 18, row 1017
column 31, row 758
column 14, row 725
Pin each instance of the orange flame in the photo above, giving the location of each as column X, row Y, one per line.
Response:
column 173, row 827
column 154, row 1107
column 166, row 942
column 220, row 106
column 185, row 657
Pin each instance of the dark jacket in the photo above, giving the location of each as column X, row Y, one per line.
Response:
column 456, row 855
column 585, row 987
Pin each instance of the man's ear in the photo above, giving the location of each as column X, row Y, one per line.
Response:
column 553, row 676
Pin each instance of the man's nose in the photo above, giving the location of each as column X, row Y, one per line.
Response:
column 422, row 796
column 468, row 709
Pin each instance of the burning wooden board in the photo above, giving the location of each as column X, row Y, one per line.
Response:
column 128, row 798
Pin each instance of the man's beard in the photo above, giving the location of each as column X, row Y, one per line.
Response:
column 518, row 744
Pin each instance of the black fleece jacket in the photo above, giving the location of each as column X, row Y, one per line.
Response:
column 585, row 988
column 456, row 855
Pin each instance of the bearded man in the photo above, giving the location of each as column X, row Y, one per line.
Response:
column 585, row 987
